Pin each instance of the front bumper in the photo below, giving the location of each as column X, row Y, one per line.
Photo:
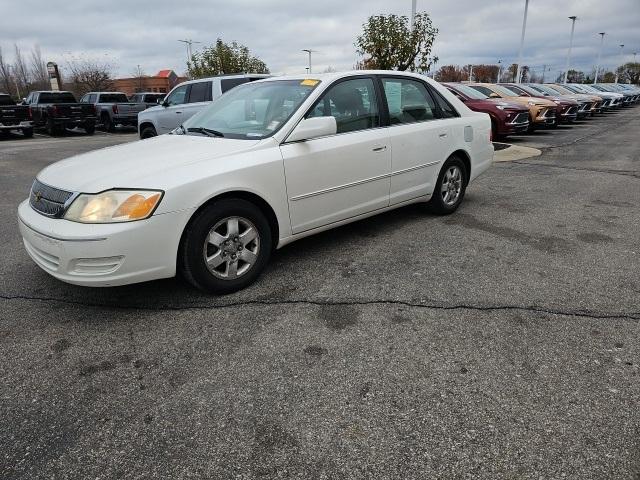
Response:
column 17, row 126
column 568, row 115
column 103, row 255
column 546, row 116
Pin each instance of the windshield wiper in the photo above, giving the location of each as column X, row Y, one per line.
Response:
column 205, row 131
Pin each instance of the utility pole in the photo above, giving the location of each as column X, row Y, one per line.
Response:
column 189, row 43
column 524, row 27
column 622, row 57
column 309, row 51
column 573, row 26
column 470, row 72
column 602, row 34
column 499, row 71
column 413, row 12
column 544, row 69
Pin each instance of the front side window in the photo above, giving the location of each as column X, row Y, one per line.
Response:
column 409, row 101
column 178, row 96
column 251, row 111
column 353, row 103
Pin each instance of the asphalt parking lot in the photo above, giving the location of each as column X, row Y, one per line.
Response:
column 499, row 342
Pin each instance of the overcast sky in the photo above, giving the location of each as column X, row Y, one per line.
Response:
column 471, row 31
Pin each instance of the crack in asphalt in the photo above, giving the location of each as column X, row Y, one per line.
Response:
column 625, row 173
column 424, row 304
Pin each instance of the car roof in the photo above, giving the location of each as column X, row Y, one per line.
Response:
column 224, row 77
column 110, row 93
column 329, row 77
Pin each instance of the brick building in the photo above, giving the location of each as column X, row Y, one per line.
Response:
column 162, row 82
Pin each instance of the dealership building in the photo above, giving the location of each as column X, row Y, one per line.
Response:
column 162, row 82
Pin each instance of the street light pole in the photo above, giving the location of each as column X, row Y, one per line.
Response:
column 524, row 26
column 602, row 34
column 622, row 57
column 413, row 12
column 308, row 50
column 573, row 26
column 499, row 71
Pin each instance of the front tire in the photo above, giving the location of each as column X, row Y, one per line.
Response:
column 107, row 124
column 90, row 128
column 450, row 187
column 27, row 132
column 148, row 132
column 225, row 247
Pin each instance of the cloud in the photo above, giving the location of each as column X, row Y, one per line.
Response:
column 132, row 33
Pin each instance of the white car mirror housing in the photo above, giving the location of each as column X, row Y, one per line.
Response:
column 313, row 128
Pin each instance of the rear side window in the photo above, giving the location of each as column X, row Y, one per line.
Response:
column 446, row 109
column 409, row 101
column 228, row 83
column 200, row 92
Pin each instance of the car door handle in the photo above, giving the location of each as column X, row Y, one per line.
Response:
column 178, row 113
column 380, row 148
column 442, row 135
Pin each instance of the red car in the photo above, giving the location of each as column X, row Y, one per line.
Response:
column 566, row 110
column 506, row 118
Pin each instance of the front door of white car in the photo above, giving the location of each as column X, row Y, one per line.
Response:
column 337, row 177
column 420, row 139
column 171, row 115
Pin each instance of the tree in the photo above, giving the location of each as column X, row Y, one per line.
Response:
column 485, row 73
column 573, row 76
column 223, row 59
column 629, row 73
column 451, row 73
column 6, row 75
column 87, row 75
column 388, row 43
column 39, row 73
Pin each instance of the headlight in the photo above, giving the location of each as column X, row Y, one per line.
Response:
column 557, row 102
column 114, row 206
column 501, row 107
column 531, row 103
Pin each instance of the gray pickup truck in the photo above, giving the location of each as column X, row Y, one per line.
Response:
column 149, row 98
column 114, row 108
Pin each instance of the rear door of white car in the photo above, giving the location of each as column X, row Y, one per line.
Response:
column 419, row 137
column 334, row 178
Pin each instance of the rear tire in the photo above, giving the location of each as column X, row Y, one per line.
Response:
column 225, row 247
column 27, row 132
column 53, row 129
column 148, row 132
column 450, row 187
column 90, row 128
column 107, row 124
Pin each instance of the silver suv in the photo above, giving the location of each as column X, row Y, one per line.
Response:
column 185, row 100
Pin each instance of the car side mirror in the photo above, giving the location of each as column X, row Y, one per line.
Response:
column 24, row 101
column 494, row 95
column 316, row 127
column 162, row 102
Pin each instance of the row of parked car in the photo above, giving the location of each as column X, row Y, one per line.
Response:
column 513, row 108
column 60, row 110
column 525, row 107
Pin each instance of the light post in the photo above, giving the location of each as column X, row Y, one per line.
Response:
column 573, row 26
column 602, row 34
column 413, row 12
column 308, row 50
column 524, row 27
column 470, row 72
column 499, row 71
column 622, row 57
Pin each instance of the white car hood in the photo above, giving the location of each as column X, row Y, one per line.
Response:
column 135, row 164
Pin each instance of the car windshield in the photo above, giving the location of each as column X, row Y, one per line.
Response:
column 505, row 91
column 251, row 111
column 113, row 98
column 544, row 89
column 574, row 89
column 560, row 89
column 529, row 90
column 470, row 92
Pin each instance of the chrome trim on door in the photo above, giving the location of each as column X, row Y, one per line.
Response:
column 360, row 182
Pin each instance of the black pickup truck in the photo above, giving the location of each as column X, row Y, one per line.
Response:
column 14, row 117
column 56, row 111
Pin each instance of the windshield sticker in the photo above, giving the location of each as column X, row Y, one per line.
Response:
column 308, row 82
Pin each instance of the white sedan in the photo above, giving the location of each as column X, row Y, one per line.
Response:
column 268, row 163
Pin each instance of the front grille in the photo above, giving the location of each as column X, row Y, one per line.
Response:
column 521, row 117
column 584, row 107
column 49, row 201
column 571, row 110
